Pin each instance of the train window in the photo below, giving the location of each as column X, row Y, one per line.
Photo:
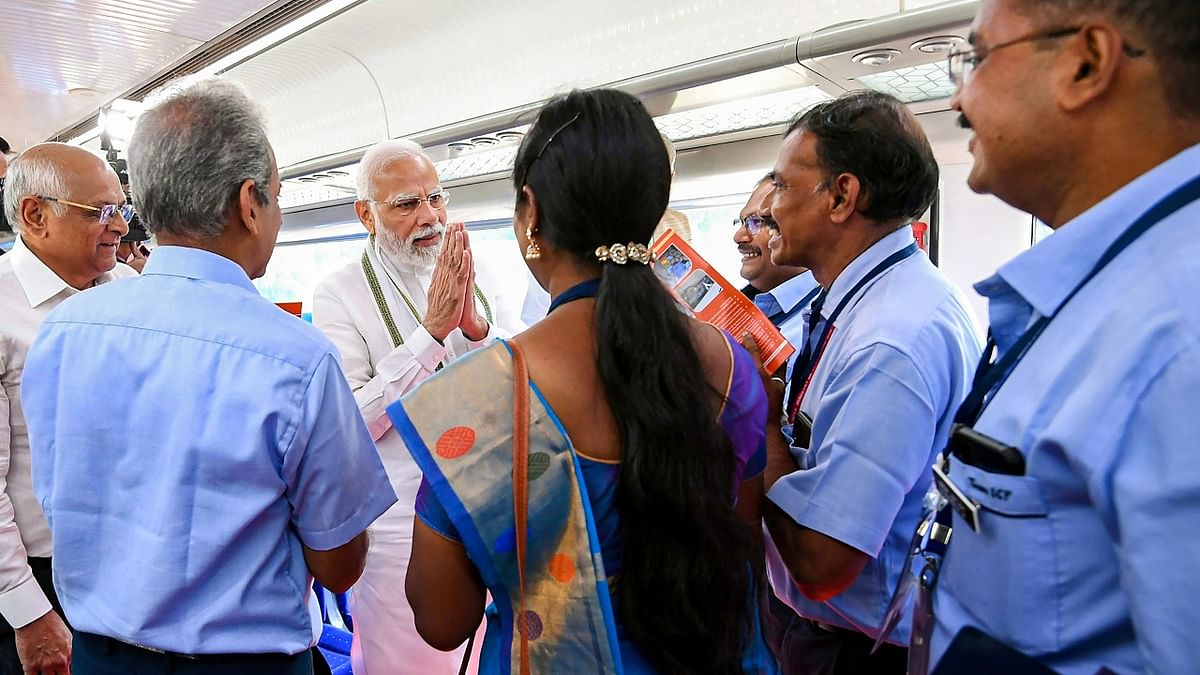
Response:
column 296, row 268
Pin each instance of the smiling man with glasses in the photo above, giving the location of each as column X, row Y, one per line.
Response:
column 63, row 246
column 1075, row 546
column 780, row 291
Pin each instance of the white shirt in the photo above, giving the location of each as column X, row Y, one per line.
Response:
column 344, row 308
column 28, row 291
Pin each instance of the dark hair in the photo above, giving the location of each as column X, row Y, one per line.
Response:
column 4, row 147
column 876, row 138
column 689, row 566
column 1168, row 29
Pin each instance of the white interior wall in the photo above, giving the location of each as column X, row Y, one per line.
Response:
column 390, row 69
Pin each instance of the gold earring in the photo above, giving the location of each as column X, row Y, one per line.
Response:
column 532, row 251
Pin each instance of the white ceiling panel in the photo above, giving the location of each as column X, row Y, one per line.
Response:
column 61, row 60
column 433, row 64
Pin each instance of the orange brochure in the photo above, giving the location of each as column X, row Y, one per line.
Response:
column 292, row 308
column 707, row 296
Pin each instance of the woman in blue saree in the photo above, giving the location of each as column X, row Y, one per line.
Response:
column 625, row 538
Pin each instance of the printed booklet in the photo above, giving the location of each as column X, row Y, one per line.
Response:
column 709, row 297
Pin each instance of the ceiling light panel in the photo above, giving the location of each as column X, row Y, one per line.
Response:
column 751, row 113
column 926, row 82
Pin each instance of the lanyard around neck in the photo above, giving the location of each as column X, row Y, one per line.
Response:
column 807, row 364
column 990, row 376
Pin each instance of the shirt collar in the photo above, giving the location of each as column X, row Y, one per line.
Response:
column 1047, row 273
column 196, row 263
column 39, row 282
column 791, row 292
column 863, row 264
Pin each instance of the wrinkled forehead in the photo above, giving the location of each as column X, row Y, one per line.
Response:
column 408, row 175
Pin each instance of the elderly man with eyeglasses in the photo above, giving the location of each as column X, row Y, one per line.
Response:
column 69, row 213
column 409, row 305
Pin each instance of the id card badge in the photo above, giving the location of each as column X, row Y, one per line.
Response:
column 922, row 628
column 904, row 587
column 963, row 505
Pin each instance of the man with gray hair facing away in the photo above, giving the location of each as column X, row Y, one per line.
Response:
column 193, row 503
column 408, row 306
column 69, row 213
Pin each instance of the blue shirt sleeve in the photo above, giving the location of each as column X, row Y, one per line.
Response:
column 873, row 435
column 336, row 482
column 1151, row 489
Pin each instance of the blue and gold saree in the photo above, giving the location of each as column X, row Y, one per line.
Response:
column 459, row 428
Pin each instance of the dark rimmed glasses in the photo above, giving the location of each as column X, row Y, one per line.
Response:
column 106, row 211
column 961, row 63
column 753, row 224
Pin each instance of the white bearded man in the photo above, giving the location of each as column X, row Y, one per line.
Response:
column 408, row 306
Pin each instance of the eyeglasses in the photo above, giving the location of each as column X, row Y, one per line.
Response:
column 106, row 211
column 960, row 64
column 408, row 205
column 754, row 224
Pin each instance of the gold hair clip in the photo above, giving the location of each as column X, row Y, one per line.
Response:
column 622, row 253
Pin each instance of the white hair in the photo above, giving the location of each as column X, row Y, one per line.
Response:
column 32, row 174
column 378, row 157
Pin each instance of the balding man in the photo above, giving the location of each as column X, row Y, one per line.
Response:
column 69, row 213
column 409, row 305
column 193, row 504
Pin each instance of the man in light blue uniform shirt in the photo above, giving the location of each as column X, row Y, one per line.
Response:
column 893, row 347
column 1088, row 559
column 193, row 497
column 782, row 292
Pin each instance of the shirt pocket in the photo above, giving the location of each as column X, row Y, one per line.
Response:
column 1006, row 574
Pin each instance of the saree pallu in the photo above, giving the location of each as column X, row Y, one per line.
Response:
column 568, row 616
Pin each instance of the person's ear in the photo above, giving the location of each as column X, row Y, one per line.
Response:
column 366, row 215
column 530, row 212
column 34, row 214
column 844, row 190
column 1089, row 65
column 249, row 210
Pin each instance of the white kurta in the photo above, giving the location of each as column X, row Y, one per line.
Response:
column 385, row 636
